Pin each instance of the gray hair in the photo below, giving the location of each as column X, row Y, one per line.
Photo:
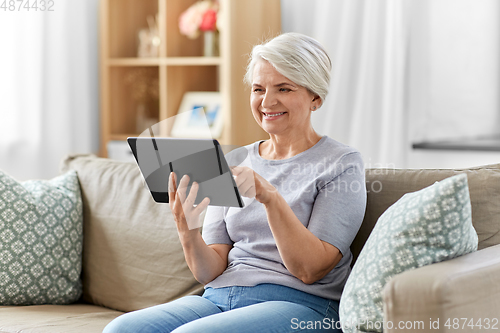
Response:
column 297, row 57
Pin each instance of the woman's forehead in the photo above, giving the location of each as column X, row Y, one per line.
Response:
column 265, row 72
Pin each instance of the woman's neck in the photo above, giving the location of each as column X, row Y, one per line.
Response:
column 280, row 148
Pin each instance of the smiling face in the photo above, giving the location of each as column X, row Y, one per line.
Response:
column 280, row 106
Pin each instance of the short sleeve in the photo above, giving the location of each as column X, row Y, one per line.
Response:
column 214, row 226
column 340, row 205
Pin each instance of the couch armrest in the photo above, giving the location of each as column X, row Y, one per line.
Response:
column 464, row 287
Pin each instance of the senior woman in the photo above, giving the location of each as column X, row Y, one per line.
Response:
column 280, row 263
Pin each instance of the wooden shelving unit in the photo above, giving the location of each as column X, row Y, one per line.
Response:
column 180, row 66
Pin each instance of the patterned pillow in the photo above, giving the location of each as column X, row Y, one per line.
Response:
column 41, row 240
column 421, row 228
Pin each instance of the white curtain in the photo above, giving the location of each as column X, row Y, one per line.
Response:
column 367, row 41
column 48, row 86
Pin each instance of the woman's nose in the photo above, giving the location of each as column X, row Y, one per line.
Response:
column 269, row 100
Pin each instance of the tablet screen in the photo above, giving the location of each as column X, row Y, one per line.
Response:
column 201, row 159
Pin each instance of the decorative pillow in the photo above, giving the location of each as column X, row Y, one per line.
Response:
column 421, row 228
column 41, row 240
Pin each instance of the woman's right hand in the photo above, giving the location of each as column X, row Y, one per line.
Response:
column 186, row 215
column 205, row 262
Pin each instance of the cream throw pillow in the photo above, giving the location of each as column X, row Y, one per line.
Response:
column 132, row 255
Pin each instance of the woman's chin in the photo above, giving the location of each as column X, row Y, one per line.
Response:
column 271, row 128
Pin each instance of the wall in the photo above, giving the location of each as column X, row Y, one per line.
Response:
column 48, row 86
column 453, row 88
column 453, row 54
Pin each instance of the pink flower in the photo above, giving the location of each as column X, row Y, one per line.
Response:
column 208, row 21
column 189, row 22
column 200, row 16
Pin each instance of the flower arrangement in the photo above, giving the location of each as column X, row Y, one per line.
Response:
column 144, row 91
column 143, row 83
column 201, row 16
column 149, row 39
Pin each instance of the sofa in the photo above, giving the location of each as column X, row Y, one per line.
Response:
column 132, row 257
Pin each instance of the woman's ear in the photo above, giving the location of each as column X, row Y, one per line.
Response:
column 316, row 103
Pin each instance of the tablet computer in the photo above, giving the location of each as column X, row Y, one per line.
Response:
column 201, row 159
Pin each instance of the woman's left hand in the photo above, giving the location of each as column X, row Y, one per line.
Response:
column 251, row 184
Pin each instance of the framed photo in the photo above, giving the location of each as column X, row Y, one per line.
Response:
column 199, row 116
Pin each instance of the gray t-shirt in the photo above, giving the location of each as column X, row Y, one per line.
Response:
column 324, row 186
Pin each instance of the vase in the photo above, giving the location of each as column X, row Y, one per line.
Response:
column 144, row 118
column 210, row 43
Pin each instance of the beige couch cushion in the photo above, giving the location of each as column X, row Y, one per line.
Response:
column 464, row 287
column 386, row 186
column 132, row 257
column 74, row 318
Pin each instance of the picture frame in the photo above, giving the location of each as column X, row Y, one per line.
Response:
column 199, row 116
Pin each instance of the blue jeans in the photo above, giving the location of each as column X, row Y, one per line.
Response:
column 262, row 308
